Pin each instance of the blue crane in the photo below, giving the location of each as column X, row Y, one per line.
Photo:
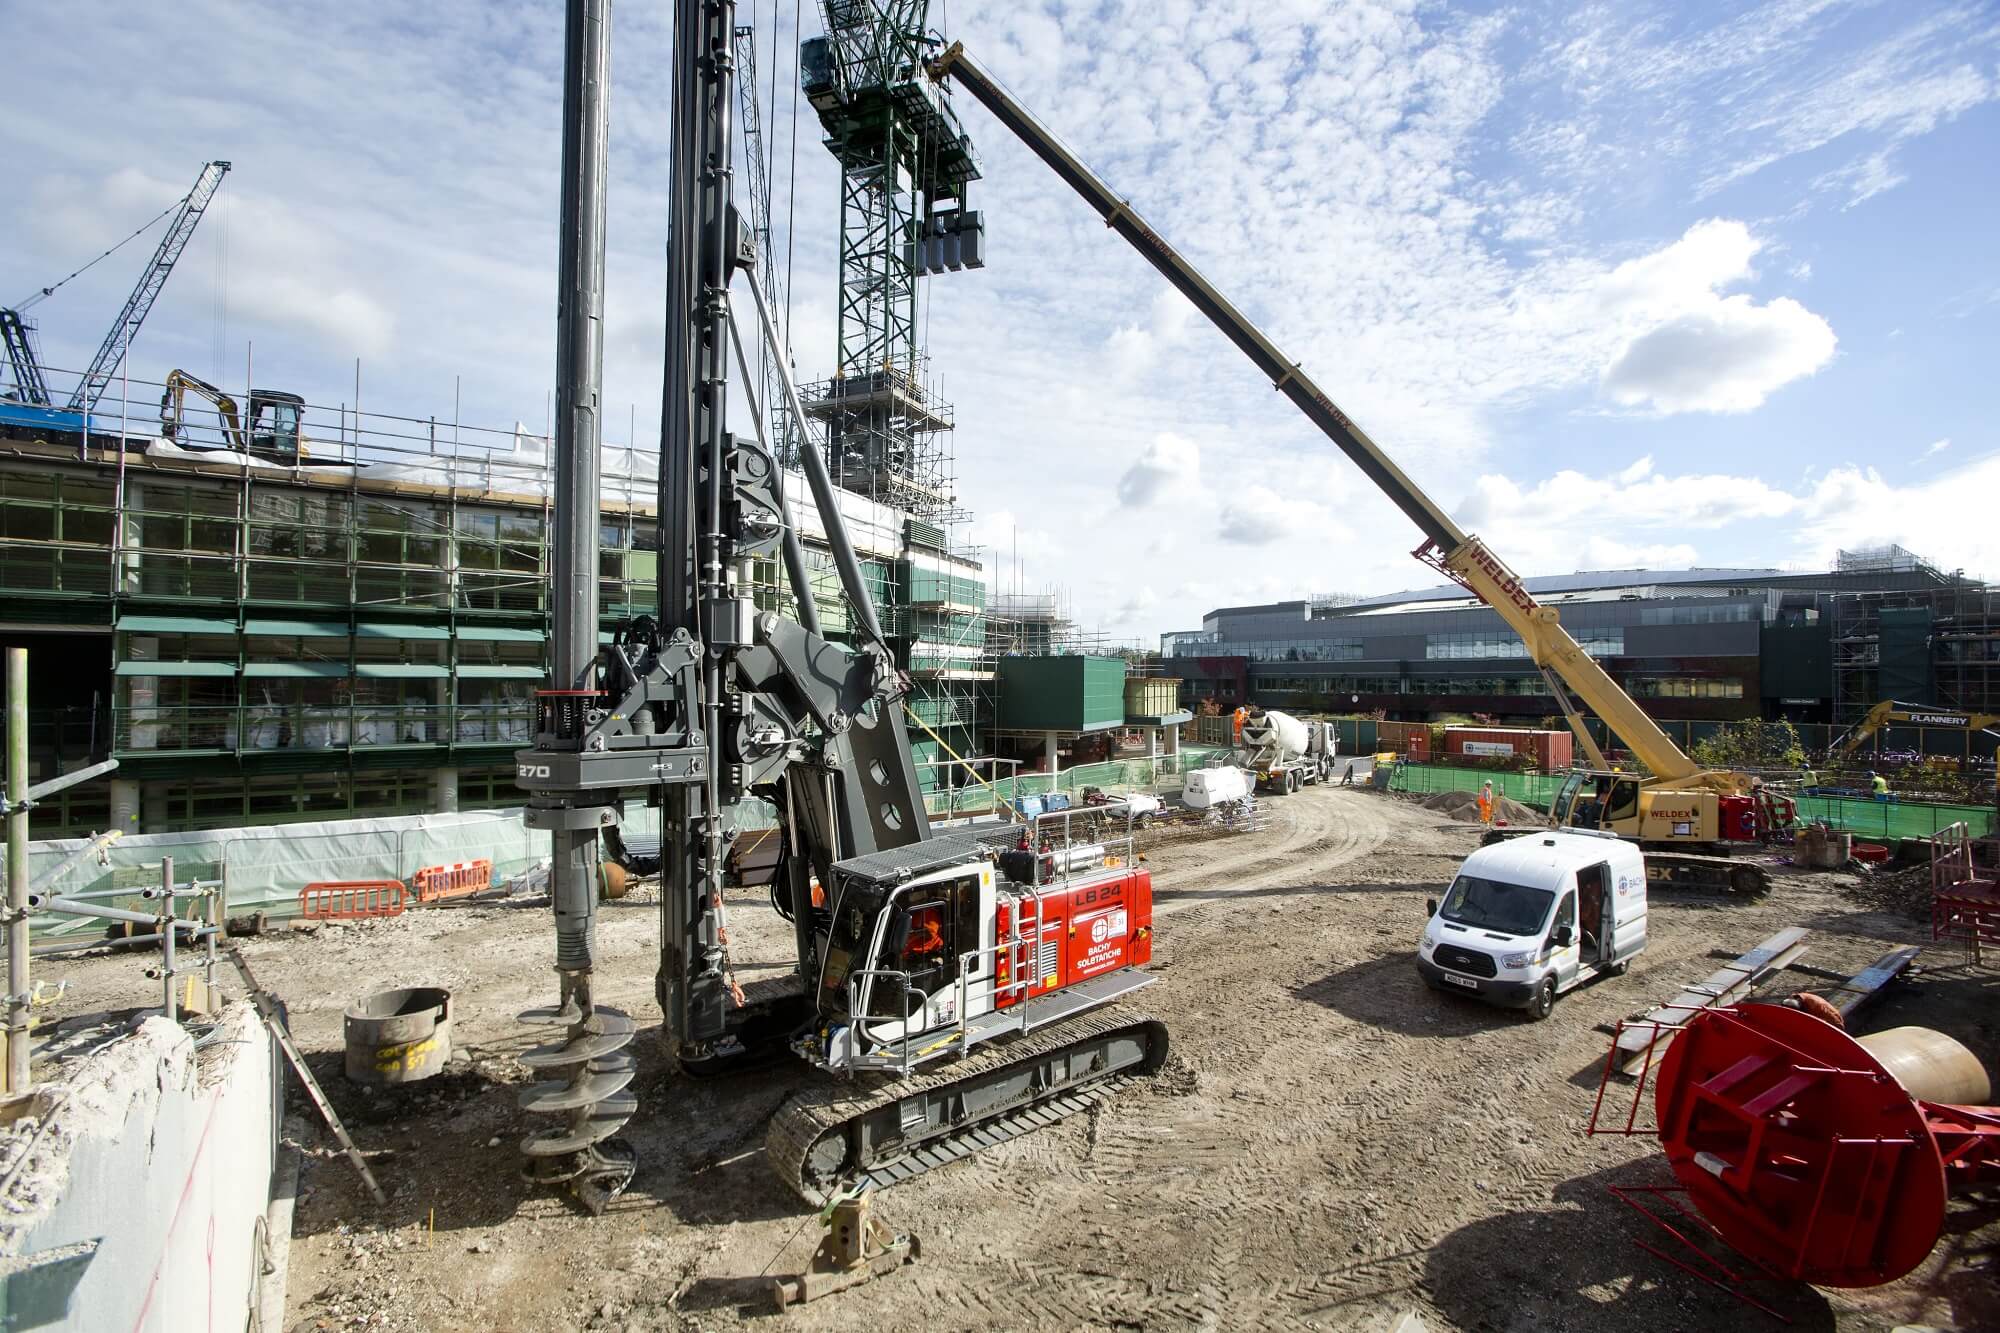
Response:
column 29, row 410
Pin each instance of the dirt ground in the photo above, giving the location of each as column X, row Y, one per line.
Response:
column 1330, row 1146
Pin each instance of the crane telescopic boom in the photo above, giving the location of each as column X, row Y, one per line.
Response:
column 1462, row 557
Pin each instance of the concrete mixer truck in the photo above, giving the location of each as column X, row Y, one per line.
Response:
column 1285, row 752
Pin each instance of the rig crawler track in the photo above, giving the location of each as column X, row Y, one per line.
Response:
column 883, row 1132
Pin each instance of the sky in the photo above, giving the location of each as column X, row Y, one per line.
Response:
column 1635, row 284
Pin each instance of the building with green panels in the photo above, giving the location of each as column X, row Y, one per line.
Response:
column 1062, row 694
column 258, row 646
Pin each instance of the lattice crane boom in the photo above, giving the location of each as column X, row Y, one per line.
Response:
column 140, row 303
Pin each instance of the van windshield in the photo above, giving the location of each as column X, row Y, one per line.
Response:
column 1491, row 904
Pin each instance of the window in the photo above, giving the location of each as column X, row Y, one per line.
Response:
column 1598, row 642
column 1295, row 650
column 1700, row 613
column 1685, row 687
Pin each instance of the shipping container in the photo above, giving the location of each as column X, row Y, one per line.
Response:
column 1412, row 740
column 1551, row 750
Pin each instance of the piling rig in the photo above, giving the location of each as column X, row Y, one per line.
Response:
column 962, row 1007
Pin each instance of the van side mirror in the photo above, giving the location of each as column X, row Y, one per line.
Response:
column 1430, row 907
column 1563, row 937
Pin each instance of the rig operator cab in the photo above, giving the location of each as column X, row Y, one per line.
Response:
column 931, row 949
column 1532, row 918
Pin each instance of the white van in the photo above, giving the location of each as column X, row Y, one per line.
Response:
column 1534, row 917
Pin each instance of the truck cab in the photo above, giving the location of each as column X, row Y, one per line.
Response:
column 1532, row 918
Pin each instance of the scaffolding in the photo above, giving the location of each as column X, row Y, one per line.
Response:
column 1938, row 645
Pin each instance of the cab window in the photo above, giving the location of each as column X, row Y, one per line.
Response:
column 1565, row 916
column 1624, row 802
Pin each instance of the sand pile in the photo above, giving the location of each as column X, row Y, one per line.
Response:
column 1464, row 805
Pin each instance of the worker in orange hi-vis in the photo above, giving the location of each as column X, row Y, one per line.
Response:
column 1486, row 804
column 1236, row 728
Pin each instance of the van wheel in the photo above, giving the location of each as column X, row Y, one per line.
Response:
column 1544, row 1001
column 1619, row 968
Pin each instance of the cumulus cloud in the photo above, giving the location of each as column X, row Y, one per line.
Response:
column 1256, row 515
column 1167, row 466
column 1633, row 518
column 1692, row 349
column 1728, row 358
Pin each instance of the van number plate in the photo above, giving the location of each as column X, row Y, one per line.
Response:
column 1456, row 980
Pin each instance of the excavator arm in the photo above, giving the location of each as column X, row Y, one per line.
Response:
column 1460, row 556
column 1891, row 713
column 173, row 407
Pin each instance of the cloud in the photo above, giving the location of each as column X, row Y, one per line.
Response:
column 1725, row 359
column 1635, row 517
column 1256, row 515
column 1171, row 464
column 1935, row 447
column 1694, row 349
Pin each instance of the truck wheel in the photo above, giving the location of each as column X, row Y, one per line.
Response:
column 1544, row 1001
column 1291, row 782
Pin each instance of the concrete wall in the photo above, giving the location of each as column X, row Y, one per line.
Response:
column 137, row 1204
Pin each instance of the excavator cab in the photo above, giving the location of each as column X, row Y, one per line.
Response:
column 273, row 430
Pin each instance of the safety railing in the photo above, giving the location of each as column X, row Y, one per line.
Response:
column 254, row 728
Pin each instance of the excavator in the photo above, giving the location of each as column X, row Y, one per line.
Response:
column 273, row 431
column 960, row 1002
column 1891, row 713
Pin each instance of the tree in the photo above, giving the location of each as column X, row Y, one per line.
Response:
column 1751, row 744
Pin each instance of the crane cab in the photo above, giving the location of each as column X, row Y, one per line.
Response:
column 1622, row 804
column 932, row 948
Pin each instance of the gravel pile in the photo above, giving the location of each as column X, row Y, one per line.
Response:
column 1464, row 805
column 1905, row 891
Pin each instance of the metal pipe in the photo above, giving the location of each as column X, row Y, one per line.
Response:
column 822, row 486
column 18, row 1005
column 795, row 556
column 578, row 432
column 169, row 927
column 68, row 907
column 115, row 942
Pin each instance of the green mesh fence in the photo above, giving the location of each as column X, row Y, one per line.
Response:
column 1536, row 789
column 1889, row 820
column 1886, row 820
column 1144, row 774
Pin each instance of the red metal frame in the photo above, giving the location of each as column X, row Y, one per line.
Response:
column 341, row 900
column 1806, row 1155
column 1963, row 906
column 1714, row 1271
column 434, row 883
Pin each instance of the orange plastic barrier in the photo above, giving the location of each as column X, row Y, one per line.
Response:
column 338, row 900
column 452, row 881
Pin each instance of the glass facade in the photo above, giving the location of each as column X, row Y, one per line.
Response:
column 1602, row 642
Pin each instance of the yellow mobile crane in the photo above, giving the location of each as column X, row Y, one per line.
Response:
column 1682, row 813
